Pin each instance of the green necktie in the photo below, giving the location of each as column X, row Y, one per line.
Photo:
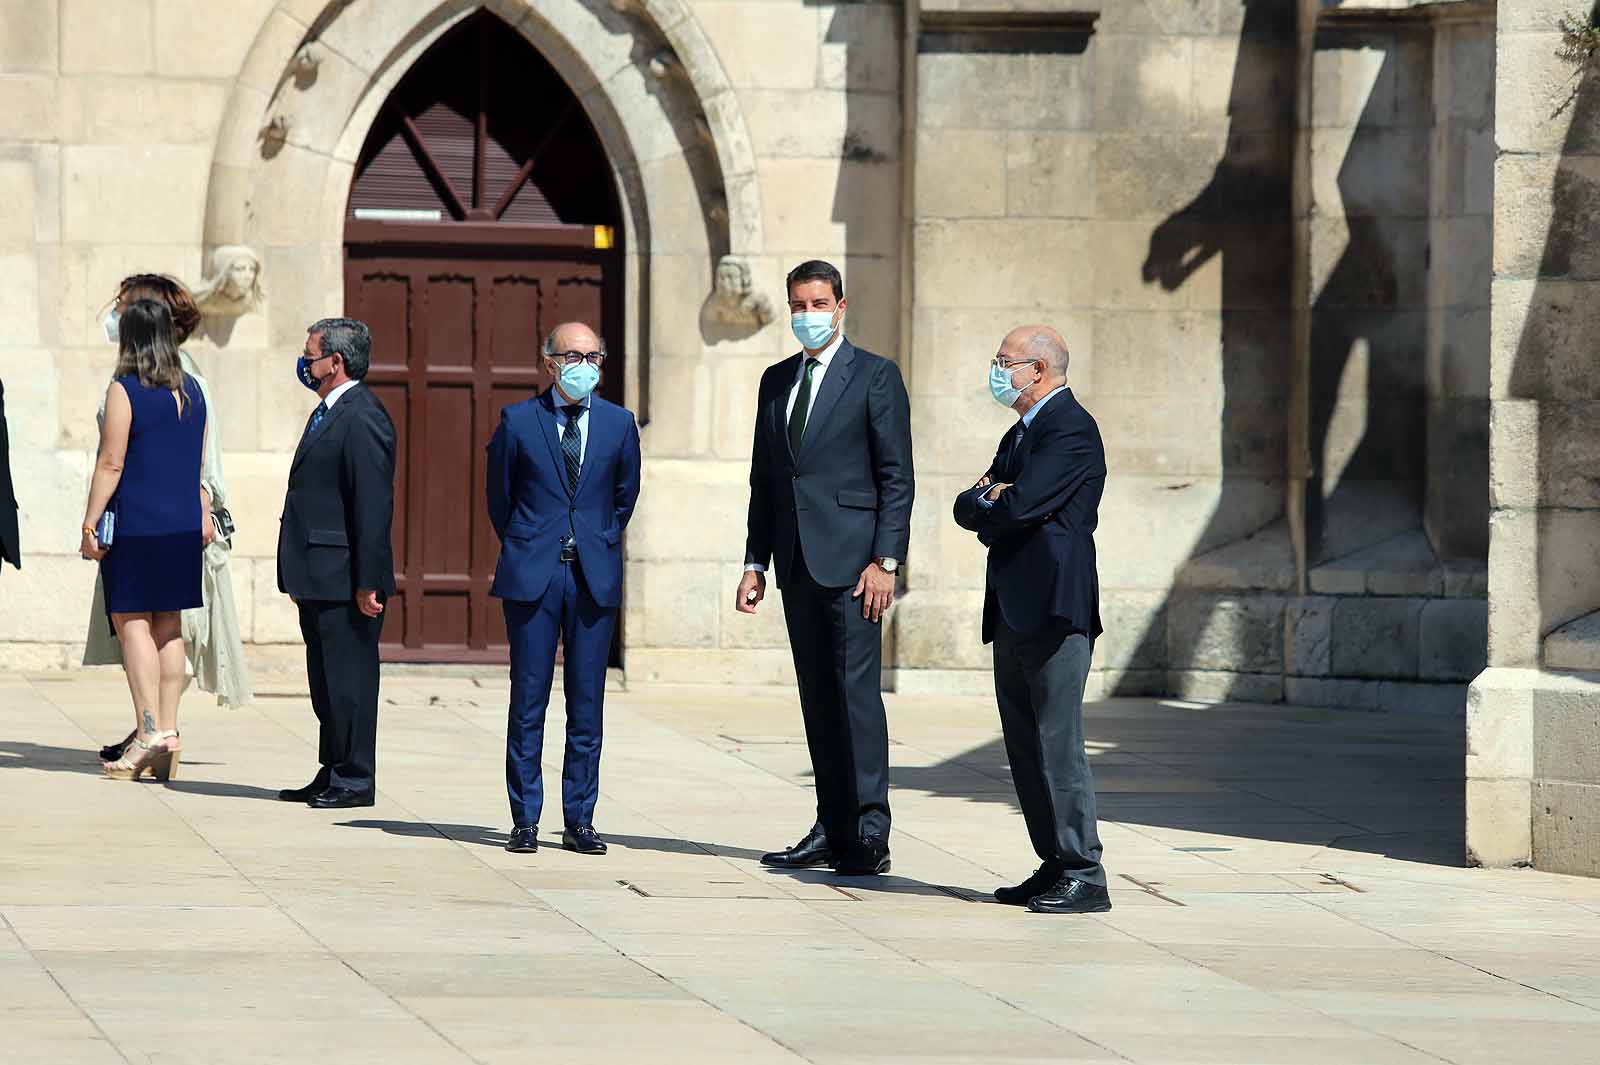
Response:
column 802, row 406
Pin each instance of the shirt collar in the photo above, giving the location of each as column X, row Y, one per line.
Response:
column 1033, row 411
column 333, row 397
column 825, row 356
column 557, row 401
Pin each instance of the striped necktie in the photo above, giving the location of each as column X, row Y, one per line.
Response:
column 572, row 446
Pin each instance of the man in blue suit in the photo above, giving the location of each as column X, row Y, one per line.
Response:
column 563, row 477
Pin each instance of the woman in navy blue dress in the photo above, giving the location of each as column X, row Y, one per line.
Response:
column 148, row 475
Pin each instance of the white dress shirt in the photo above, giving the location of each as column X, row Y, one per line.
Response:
column 824, row 360
column 583, row 421
column 333, row 397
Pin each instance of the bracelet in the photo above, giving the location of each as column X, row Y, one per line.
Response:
column 88, row 530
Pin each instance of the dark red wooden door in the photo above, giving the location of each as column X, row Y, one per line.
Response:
column 456, row 338
column 483, row 212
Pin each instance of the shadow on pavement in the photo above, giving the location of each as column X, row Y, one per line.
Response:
column 1351, row 781
column 479, row 834
column 222, row 789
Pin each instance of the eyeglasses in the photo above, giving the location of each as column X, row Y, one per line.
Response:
column 572, row 358
column 1004, row 365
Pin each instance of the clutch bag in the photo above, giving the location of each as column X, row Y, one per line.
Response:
column 105, row 530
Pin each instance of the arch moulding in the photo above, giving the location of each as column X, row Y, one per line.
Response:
column 318, row 71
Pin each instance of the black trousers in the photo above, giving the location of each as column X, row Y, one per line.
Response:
column 342, row 666
column 838, row 657
column 1038, row 683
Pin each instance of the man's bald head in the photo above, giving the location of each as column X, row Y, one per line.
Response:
column 573, row 336
column 1038, row 342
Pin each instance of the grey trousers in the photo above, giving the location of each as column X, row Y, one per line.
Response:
column 1038, row 683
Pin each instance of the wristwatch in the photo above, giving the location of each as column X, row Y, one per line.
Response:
column 888, row 565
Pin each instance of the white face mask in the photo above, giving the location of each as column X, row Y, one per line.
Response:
column 109, row 324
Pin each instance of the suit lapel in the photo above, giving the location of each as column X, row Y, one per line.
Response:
column 840, row 371
column 591, row 445
column 546, row 413
column 1024, row 446
column 309, row 441
column 776, row 407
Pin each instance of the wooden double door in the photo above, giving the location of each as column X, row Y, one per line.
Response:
column 456, row 335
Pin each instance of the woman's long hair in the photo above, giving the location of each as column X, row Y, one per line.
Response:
column 149, row 349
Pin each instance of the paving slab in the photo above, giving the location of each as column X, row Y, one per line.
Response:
column 1288, row 885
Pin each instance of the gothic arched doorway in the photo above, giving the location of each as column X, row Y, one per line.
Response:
column 483, row 211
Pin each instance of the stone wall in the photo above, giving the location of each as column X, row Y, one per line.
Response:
column 1144, row 207
column 1127, row 173
column 1533, row 761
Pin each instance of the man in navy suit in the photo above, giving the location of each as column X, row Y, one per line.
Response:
column 563, row 477
column 1035, row 510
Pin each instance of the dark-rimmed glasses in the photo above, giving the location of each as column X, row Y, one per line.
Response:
column 572, row 358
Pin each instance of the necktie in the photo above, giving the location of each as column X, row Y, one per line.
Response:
column 1009, row 468
column 572, row 446
column 316, row 417
column 802, row 407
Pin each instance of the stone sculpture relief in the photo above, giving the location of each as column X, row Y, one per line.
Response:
column 734, row 309
column 234, row 287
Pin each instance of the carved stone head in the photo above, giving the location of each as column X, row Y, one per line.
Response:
column 234, row 286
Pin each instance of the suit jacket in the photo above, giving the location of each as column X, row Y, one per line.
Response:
column 1040, row 534
column 846, row 497
column 10, row 544
column 340, row 507
column 532, row 510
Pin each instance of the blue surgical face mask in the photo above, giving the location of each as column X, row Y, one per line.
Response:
column 1000, row 387
column 110, row 323
column 813, row 328
column 578, row 380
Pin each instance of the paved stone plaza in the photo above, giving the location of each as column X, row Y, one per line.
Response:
column 1287, row 889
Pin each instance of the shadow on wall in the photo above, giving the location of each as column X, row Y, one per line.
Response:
column 1555, row 366
column 1373, row 264
column 1348, row 782
column 1242, row 215
column 861, row 55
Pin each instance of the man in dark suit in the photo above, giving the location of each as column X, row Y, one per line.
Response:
column 10, row 545
column 831, row 486
column 563, row 478
column 1035, row 510
column 335, row 559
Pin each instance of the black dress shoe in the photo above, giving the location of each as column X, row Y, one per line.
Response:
column 523, row 840
column 331, row 798
column 809, row 852
column 1043, row 879
column 1072, row 896
column 869, row 856
column 316, row 787
column 583, row 840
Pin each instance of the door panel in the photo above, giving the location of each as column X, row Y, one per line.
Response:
column 456, row 336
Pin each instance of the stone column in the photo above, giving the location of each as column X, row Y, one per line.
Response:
column 1533, row 718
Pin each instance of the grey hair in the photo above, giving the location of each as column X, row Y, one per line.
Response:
column 1048, row 350
column 550, row 339
column 350, row 339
